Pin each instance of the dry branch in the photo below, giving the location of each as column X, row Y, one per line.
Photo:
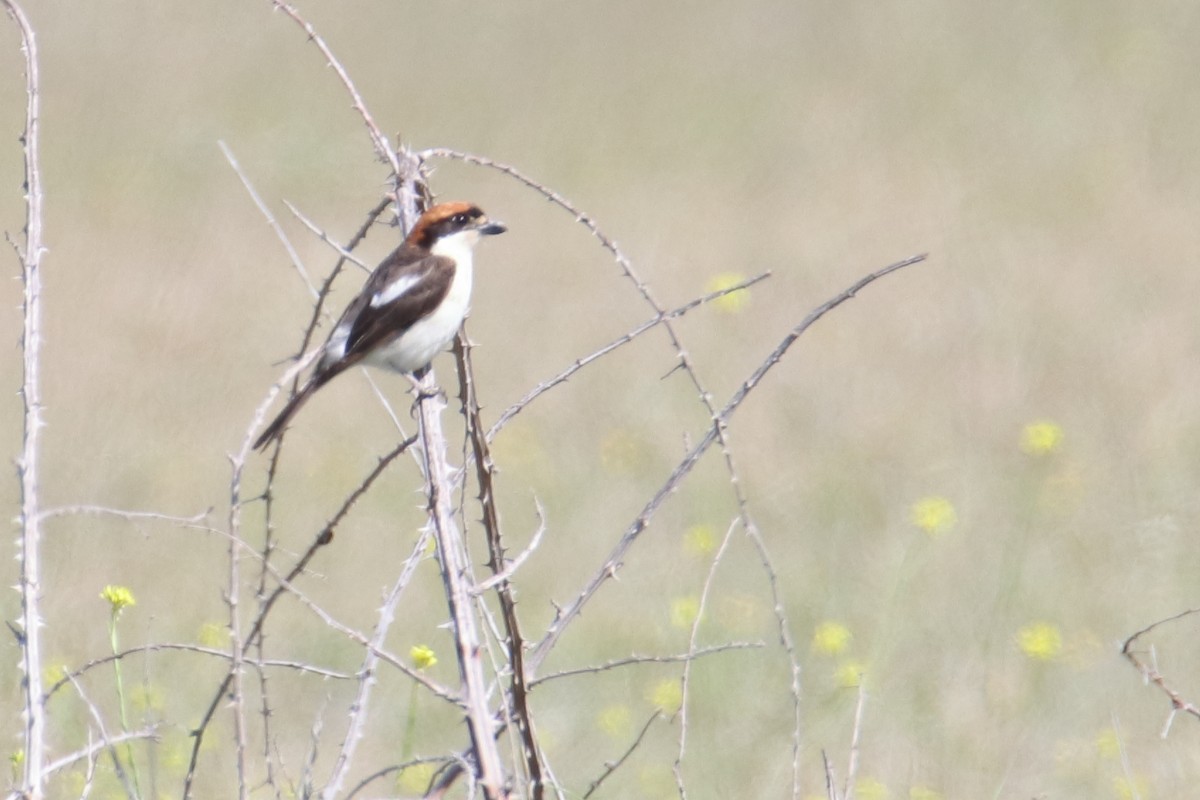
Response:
column 1150, row 672
column 29, row 539
column 616, row 557
column 514, row 642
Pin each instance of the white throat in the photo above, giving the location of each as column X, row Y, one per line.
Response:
column 458, row 246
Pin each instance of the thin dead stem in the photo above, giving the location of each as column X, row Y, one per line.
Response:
column 685, row 681
column 855, row 740
column 613, row 766
column 619, row 663
column 271, row 221
column 579, row 363
column 514, row 642
column 684, row 362
column 1150, row 673
column 29, row 544
column 616, row 557
column 456, row 578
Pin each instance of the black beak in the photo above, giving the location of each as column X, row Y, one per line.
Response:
column 492, row 228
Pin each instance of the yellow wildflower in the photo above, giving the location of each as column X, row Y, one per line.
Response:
column 119, row 597
column 1041, row 437
column 684, row 611
column 701, row 540
column 1040, row 641
column 831, row 638
column 934, row 515
column 870, row 789
column 422, row 656
column 849, row 674
column 667, row 695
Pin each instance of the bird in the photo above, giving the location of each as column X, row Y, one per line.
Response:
column 410, row 307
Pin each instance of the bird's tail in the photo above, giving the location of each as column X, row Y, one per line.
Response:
column 275, row 429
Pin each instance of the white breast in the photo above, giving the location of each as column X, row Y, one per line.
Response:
column 428, row 337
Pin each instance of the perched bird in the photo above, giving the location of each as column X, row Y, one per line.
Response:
column 409, row 309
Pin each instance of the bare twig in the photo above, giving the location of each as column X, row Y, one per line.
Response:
column 266, row 212
column 28, row 466
column 691, row 655
column 511, row 565
column 383, row 773
column 317, row 231
column 681, row 471
column 685, row 683
column 855, row 739
column 127, row 515
column 378, row 140
column 456, row 578
column 831, row 791
column 296, row 666
column 411, row 195
column 684, row 363
column 366, row 673
column 106, row 741
column 90, row 752
column 322, row 538
column 237, row 643
column 613, row 766
column 514, row 641
column 1150, row 673
column 580, row 363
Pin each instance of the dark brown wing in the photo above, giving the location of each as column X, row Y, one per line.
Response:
column 426, row 280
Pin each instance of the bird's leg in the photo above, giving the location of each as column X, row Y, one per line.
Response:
column 421, row 388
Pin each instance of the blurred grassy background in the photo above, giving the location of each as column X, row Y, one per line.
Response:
column 1044, row 154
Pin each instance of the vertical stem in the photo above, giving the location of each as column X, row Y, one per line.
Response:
column 456, row 578
column 237, row 645
column 121, row 704
column 29, row 543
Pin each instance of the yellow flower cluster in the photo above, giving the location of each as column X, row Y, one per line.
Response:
column 1041, row 437
column 684, row 611
column 422, row 656
column 934, row 515
column 831, row 638
column 1040, row 641
column 667, row 695
column 119, row 597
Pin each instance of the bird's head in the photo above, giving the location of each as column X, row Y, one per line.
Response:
column 450, row 226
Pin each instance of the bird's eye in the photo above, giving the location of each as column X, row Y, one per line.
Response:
column 459, row 219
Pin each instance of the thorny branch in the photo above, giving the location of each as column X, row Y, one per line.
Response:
column 462, row 590
column 615, row 559
column 514, row 642
column 29, row 545
column 1150, row 673
column 684, row 362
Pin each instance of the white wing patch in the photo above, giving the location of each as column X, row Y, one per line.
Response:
column 396, row 289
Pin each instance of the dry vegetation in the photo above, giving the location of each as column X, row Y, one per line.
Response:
column 1047, row 160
